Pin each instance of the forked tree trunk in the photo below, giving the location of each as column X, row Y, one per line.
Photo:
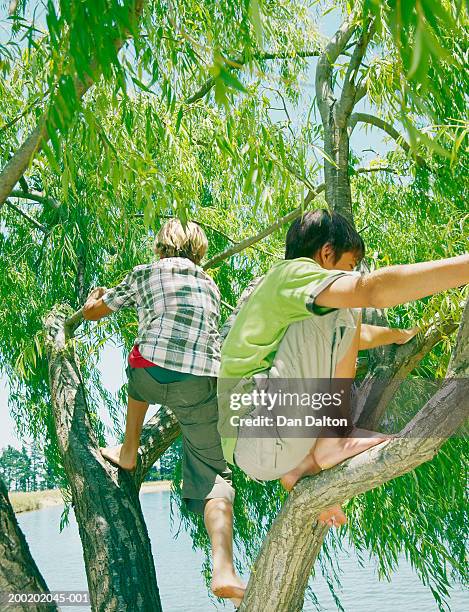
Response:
column 116, row 547
column 18, row 570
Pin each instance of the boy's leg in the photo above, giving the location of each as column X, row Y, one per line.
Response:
column 125, row 455
column 218, row 518
column 205, row 490
column 330, row 451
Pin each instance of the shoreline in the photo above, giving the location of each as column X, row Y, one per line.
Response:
column 27, row 501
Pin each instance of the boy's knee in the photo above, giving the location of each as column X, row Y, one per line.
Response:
column 219, row 503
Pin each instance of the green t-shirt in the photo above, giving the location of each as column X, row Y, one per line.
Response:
column 286, row 294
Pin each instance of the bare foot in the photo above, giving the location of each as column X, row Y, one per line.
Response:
column 333, row 517
column 331, row 451
column 119, row 456
column 307, row 467
column 229, row 586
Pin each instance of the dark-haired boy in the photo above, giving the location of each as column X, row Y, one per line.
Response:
column 302, row 321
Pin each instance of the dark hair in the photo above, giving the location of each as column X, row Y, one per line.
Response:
column 316, row 228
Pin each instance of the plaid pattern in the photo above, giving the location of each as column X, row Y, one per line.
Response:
column 178, row 307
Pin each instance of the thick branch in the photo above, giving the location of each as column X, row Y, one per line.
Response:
column 324, row 91
column 385, row 126
column 20, row 161
column 34, row 197
column 392, row 365
column 349, row 90
column 105, row 499
column 157, row 436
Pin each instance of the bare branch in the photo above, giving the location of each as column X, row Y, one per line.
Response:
column 34, row 197
column 349, row 90
column 12, row 7
column 157, row 436
column 31, row 220
column 291, row 216
column 324, row 91
column 386, row 127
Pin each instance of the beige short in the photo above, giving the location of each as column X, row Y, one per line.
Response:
column 309, row 350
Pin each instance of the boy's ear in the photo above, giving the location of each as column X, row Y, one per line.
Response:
column 326, row 254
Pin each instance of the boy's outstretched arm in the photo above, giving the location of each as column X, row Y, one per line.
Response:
column 95, row 308
column 394, row 285
column 372, row 336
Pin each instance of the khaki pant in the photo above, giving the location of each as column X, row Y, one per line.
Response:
column 310, row 350
column 194, row 403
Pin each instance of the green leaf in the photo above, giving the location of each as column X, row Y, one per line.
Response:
column 256, row 20
column 179, row 119
column 231, row 80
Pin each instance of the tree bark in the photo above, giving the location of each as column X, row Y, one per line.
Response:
column 335, row 113
column 18, row 571
column 116, row 547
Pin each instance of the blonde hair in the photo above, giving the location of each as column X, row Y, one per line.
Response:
column 173, row 240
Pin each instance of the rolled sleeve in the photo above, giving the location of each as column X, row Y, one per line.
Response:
column 121, row 296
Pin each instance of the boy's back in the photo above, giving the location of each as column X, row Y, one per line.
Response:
column 178, row 313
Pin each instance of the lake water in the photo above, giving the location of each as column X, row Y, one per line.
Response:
column 181, row 585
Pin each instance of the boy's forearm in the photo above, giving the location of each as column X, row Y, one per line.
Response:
column 396, row 284
column 372, row 336
column 405, row 283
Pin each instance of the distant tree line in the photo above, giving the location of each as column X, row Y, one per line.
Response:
column 165, row 466
column 28, row 470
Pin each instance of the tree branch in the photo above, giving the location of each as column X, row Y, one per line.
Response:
column 392, row 365
column 157, row 436
column 18, row 570
column 34, row 197
column 31, row 220
column 12, row 7
column 386, row 127
column 324, row 92
column 349, row 90
column 291, row 216
column 20, row 161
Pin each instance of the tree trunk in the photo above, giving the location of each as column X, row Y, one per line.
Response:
column 18, row 571
column 116, row 547
column 338, row 190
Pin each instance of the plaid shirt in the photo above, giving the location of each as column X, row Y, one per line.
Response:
column 178, row 307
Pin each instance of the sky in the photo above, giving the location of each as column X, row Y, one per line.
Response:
column 111, row 364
